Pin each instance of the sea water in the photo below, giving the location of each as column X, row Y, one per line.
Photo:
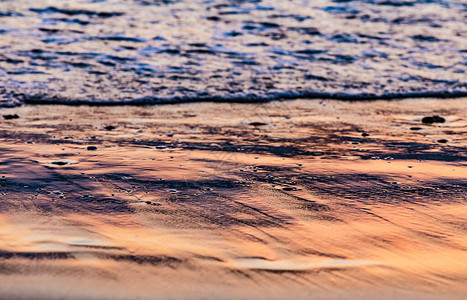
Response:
column 159, row 51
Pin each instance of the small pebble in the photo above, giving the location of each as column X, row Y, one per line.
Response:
column 258, row 124
column 10, row 117
column 109, row 127
column 433, row 119
column 92, row 148
column 443, row 141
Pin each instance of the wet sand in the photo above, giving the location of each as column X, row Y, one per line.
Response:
column 283, row 200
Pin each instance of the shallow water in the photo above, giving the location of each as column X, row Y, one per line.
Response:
column 149, row 51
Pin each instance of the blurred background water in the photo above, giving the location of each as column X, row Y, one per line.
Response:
column 150, row 51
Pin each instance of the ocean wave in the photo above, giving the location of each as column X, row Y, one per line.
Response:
column 149, row 52
column 20, row 99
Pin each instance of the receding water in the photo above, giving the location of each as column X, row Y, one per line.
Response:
column 283, row 200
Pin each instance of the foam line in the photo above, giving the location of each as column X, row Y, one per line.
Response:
column 236, row 98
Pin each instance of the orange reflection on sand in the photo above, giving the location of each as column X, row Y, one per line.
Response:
column 302, row 205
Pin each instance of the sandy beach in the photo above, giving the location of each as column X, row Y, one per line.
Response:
column 281, row 200
column 253, row 149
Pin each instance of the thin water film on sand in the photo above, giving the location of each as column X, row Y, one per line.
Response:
column 315, row 200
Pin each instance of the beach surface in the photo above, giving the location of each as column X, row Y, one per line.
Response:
column 317, row 199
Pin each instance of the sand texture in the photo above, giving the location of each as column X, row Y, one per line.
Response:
column 284, row 200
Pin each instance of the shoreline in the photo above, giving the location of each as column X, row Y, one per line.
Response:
column 246, row 99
